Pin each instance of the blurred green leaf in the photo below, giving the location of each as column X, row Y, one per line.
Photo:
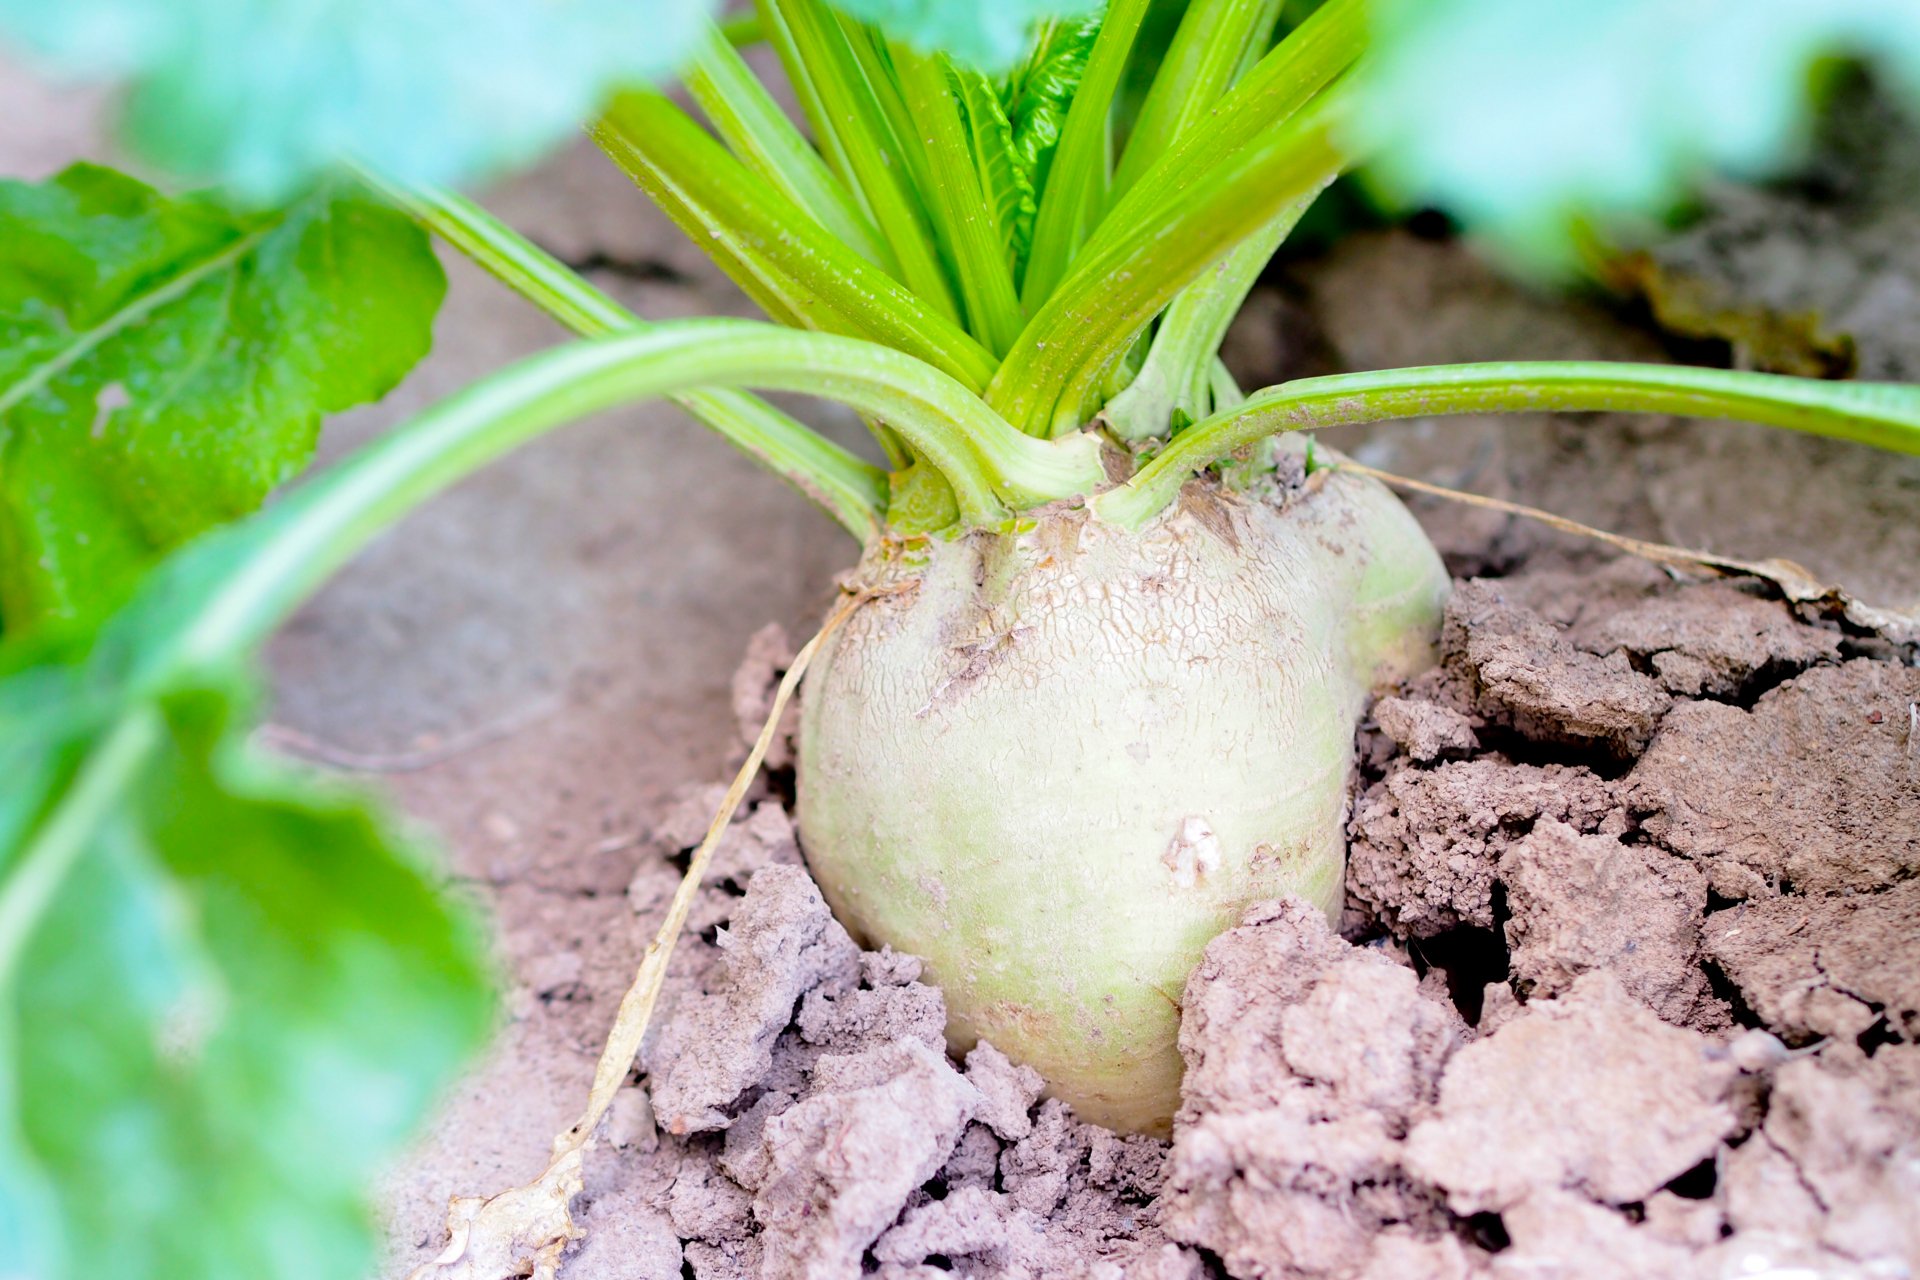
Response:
column 265, row 94
column 227, row 990
column 988, row 34
column 164, row 363
column 1520, row 116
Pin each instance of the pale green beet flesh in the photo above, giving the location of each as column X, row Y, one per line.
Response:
column 1056, row 763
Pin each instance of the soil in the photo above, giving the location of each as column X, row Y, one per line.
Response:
column 1590, row 1010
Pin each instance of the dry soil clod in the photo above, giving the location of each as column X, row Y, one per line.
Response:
column 1608, row 1115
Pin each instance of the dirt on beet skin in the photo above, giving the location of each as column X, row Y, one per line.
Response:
column 1627, row 985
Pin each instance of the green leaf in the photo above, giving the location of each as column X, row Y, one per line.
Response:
column 227, row 990
column 1215, row 41
column 770, row 246
column 1075, row 189
column 265, row 94
column 961, row 200
column 756, row 129
column 1158, row 28
column 852, row 104
column 164, row 363
column 1883, row 414
column 989, row 35
column 1176, row 381
column 1268, row 144
column 1518, row 116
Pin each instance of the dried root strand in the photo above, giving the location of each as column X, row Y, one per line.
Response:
column 1795, row 583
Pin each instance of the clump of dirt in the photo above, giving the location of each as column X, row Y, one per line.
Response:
column 1810, row 791
column 1627, row 984
column 1504, row 1130
column 1712, row 641
column 1427, row 843
column 1583, row 903
column 811, row 1124
column 1525, row 674
column 1833, row 1172
column 1699, row 1057
column 780, row 944
column 1425, row 731
column 1832, row 967
column 1308, row 1061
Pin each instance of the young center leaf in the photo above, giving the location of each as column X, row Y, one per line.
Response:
column 164, row 363
column 1038, row 94
column 1005, row 182
column 1518, row 115
column 263, row 95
